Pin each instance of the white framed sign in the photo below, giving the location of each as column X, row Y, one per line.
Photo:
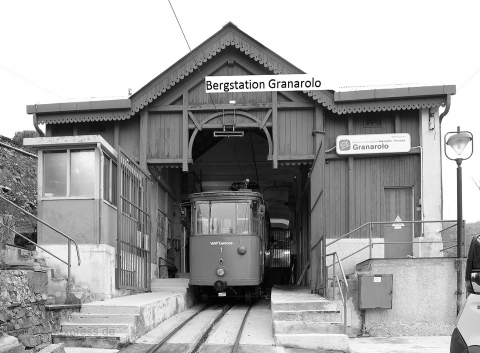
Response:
column 373, row 144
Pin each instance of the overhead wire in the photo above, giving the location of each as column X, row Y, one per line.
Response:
column 33, row 83
column 191, row 53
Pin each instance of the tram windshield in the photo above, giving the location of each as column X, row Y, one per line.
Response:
column 224, row 217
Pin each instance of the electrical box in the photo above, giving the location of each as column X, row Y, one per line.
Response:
column 375, row 291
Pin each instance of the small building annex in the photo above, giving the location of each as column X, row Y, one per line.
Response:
column 113, row 174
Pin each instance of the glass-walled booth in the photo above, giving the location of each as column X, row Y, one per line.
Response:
column 77, row 194
column 77, row 188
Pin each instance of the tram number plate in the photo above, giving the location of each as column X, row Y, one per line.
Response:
column 222, row 294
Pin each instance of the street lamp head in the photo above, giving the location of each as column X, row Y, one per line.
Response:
column 458, row 141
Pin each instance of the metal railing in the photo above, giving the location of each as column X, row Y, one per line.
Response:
column 342, row 286
column 69, row 239
column 371, row 243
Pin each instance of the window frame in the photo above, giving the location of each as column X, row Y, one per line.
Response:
column 112, row 182
column 42, row 195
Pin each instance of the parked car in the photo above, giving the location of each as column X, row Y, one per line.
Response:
column 466, row 336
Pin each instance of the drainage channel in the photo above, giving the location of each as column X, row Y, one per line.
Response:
column 206, row 321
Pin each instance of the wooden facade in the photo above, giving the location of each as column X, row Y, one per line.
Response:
column 167, row 126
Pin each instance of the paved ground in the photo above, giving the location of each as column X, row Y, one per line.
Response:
column 431, row 344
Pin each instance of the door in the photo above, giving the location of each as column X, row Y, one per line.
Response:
column 133, row 232
column 398, row 208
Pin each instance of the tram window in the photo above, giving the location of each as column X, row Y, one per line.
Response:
column 243, row 219
column 203, row 215
column 223, row 218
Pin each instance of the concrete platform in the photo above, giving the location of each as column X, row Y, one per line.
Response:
column 119, row 321
column 428, row 344
column 306, row 321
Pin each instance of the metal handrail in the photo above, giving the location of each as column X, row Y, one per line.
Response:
column 70, row 240
column 31, row 241
column 392, row 222
column 339, row 281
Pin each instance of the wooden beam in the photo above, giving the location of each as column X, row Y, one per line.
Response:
column 164, row 160
column 195, row 121
column 220, row 126
column 143, row 138
column 251, row 106
column 265, row 119
column 275, row 129
column 185, row 133
column 116, row 135
column 397, row 122
column 351, row 183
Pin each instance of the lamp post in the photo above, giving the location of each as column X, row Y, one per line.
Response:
column 458, row 141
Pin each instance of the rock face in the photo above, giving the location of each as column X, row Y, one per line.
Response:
column 18, row 183
column 22, row 307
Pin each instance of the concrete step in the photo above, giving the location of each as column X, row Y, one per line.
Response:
column 319, row 342
column 116, row 322
column 170, row 289
column 104, row 342
column 53, row 348
column 296, row 327
column 170, row 280
column 170, row 285
column 304, row 305
column 308, row 315
column 95, row 329
column 100, row 309
column 183, row 275
column 80, row 318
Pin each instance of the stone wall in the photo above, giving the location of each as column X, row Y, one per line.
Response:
column 22, row 307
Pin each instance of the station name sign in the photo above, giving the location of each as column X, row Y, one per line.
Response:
column 261, row 83
column 373, row 144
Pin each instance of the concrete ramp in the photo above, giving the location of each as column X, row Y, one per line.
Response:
column 119, row 321
column 305, row 320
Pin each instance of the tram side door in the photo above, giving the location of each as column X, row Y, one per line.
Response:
column 398, row 208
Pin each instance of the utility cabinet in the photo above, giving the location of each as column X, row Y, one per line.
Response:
column 375, row 291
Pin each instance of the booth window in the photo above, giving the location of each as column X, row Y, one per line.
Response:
column 109, row 180
column 372, row 121
column 69, row 173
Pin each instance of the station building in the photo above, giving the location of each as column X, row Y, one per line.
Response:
column 113, row 174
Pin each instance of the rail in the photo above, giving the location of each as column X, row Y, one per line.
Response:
column 342, row 286
column 70, row 240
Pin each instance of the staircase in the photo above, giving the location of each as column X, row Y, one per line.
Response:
column 172, row 285
column 117, row 322
column 305, row 320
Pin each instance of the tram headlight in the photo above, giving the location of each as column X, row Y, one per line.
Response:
column 242, row 250
column 221, row 271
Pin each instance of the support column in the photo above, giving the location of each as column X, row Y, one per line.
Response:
column 351, row 184
column 431, row 182
column 275, row 128
column 185, row 133
column 143, row 138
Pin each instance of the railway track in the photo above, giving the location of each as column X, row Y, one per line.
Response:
column 201, row 333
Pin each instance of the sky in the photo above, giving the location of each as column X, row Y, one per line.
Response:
column 60, row 51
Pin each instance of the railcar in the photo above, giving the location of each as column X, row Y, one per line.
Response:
column 228, row 239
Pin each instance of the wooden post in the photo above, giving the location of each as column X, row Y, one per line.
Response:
column 143, row 138
column 185, row 133
column 275, row 128
column 351, row 183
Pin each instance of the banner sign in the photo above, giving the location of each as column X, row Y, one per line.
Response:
column 373, row 144
column 261, row 83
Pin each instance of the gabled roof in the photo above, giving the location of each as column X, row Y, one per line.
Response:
column 229, row 35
